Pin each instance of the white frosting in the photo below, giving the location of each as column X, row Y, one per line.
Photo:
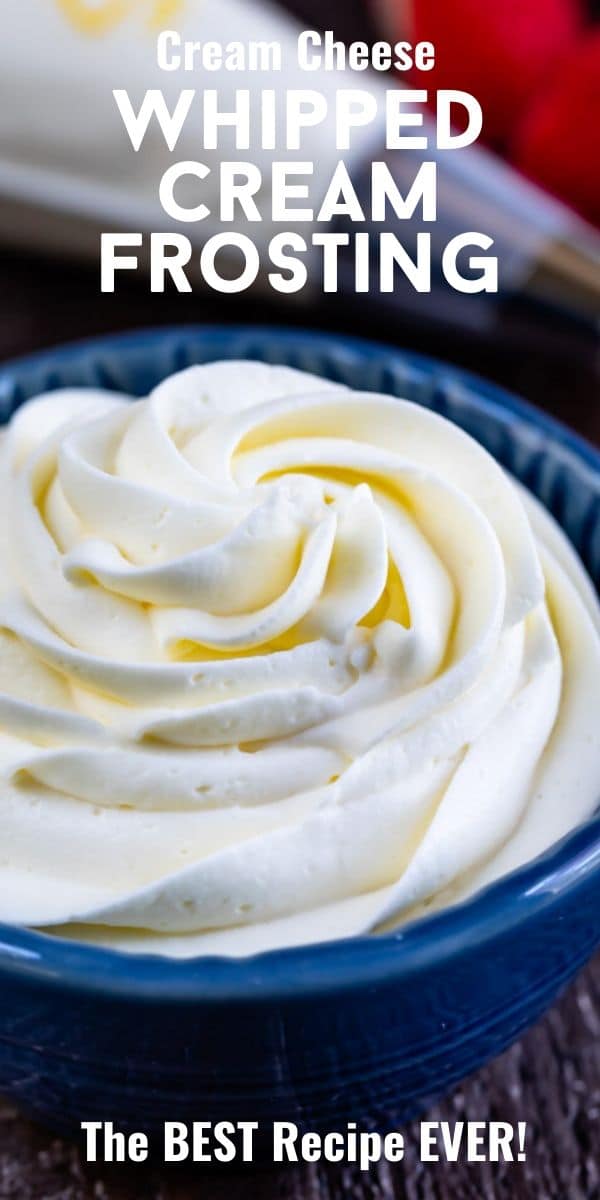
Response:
column 279, row 662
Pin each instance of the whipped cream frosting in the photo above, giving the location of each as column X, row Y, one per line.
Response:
column 279, row 662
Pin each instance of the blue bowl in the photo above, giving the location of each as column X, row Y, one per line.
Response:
column 371, row 1028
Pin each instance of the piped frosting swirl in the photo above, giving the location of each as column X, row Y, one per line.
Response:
column 279, row 662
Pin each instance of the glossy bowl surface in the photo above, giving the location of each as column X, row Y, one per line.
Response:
column 368, row 1029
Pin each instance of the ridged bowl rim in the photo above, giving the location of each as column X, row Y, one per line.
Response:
column 350, row 963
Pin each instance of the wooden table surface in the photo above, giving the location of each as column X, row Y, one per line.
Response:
column 551, row 1078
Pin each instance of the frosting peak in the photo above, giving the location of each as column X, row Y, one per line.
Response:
column 279, row 662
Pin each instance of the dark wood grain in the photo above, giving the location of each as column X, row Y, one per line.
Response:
column 551, row 1079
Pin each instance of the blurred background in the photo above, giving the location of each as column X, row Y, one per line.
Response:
column 535, row 67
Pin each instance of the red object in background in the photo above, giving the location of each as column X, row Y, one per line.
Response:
column 503, row 51
column 558, row 140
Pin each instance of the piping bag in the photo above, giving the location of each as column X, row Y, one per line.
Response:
column 68, row 170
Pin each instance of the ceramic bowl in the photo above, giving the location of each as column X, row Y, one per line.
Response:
column 368, row 1029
